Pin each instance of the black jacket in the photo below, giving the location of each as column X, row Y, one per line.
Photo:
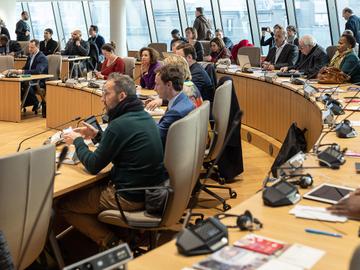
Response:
column 288, row 56
column 21, row 28
column 228, row 43
column 11, row 46
column 72, row 49
column 5, row 31
column 202, row 25
column 269, row 42
column 202, row 81
column 311, row 64
column 353, row 24
column 50, row 48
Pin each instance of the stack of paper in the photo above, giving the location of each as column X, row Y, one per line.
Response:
column 318, row 213
column 156, row 112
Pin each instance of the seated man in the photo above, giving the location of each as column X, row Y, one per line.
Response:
column 220, row 34
column 312, row 58
column 9, row 47
column 36, row 63
column 283, row 54
column 175, row 34
column 76, row 45
column 199, row 75
column 48, row 45
column 169, row 83
column 132, row 143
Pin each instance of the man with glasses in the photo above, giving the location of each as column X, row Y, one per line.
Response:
column 312, row 58
column 48, row 45
column 131, row 142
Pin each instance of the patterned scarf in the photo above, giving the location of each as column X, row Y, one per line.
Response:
column 337, row 58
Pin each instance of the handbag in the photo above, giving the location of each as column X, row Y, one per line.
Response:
column 332, row 75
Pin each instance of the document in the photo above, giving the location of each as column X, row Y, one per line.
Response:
column 317, row 213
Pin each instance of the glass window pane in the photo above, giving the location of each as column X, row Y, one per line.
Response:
column 136, row 25
column 235, row 20
column 269, row 13
column 18, row 9
column 341, row 4
column 312, row 19
column 166, row 17
column 72, row 18
column 100, row 17
column 41, row 22
column 191, row 5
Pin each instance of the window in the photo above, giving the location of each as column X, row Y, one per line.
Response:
column 235, row 20
column 136, row 25
column 353, row 4
column 41, row 22
column 269, row 13
column 72, row 18
column 191, row 5
column 312, row 19
column 100, row 17
column 166, row 16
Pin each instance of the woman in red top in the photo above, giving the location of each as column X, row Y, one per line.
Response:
column 112, row 63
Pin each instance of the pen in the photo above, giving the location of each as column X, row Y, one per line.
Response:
column 323, row 233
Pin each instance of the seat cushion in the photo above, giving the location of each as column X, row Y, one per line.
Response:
column 135, row 219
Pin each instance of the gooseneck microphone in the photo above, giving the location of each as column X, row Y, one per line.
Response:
column 42, row 132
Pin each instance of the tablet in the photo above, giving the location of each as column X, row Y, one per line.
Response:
column 328, row 193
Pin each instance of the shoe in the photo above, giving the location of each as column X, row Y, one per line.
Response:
column 36, row 108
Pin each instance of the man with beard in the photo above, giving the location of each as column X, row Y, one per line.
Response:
column 22, row 28
column 132, row 143
column 76, row 45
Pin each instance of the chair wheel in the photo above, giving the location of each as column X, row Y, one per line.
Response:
column 226, row 206
column 222, row 181
column 233, row 194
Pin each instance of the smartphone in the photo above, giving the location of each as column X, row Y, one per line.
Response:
column 357, row 167
column 93, row 121
column 264, row 29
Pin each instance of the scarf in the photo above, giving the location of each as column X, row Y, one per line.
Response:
column 337, row 58
column 129, row 104
column 291, row 39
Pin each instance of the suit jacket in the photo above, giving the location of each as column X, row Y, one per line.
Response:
column 353, row 24
column 50, row 48
column 287, row 57
column 311, row 64
column 38, row 66
column 179, row 109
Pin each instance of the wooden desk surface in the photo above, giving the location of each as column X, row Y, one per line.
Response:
column 27, row 78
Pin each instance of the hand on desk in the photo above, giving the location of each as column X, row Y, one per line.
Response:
column 152, row 104
column 349, row 207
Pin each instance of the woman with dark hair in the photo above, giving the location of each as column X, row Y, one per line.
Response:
column 291, row 35
column 217, row 50
column 191, row 35
column 112, row 63
column 149, row 63
column 345, row 59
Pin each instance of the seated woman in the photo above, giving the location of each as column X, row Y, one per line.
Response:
column 191, row 35
column 112, row 63
column 345, row 59
column 217, row 50
column 189, row 87
column 149, row 63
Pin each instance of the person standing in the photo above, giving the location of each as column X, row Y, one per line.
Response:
column 201, row 24
column 96, row 38
column 48, row 45
column 352, row 23
column 22, row 28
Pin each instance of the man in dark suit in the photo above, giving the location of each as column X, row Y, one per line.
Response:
column 48, row 45
column 283, row 54
column 312, row 58
column 352, row 23
column 10, row 47
column 169, row 82
column 36, row 63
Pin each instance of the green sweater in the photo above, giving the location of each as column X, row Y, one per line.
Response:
column 132, row 143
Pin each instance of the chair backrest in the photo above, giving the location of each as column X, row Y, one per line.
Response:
column 134, row 54
column 160, row 47
column 24, row 47
column 129, row 66
column 220, row 113
column 206, row 46
column 55, row 63
column 254, row 54
column 331, row 51
column 355, row 260
column 6, row 62
column 180, row 159
column 26, row 195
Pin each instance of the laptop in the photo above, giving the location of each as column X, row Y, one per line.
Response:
column 244, row 61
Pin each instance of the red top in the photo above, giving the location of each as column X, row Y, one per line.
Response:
column 117, row 66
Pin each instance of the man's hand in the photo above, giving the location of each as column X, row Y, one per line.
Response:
column 207, row 58
column 88, row 131
column 77, row 43
column 27, row 33
column 152, row 104
column 349, row 207
column 99, row 75
column 71, row 136
column 284, row 69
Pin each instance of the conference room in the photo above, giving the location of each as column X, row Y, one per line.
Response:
column 176, row 134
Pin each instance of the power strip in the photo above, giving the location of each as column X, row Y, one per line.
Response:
column 109, row 259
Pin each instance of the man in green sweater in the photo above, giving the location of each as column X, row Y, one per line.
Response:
column 132, row 143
